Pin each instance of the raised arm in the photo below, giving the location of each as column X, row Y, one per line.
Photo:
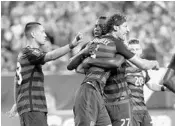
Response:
column 57, row 53
column 76, row 60
column 80, row 56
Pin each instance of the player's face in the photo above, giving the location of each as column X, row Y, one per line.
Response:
column 40, row 35
column 136, row 49
column 98, row 27
column 123, row 30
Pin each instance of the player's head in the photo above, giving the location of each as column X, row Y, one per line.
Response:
column 34, row 30
column 118, row 25
column 100, row 26
column 135, row 47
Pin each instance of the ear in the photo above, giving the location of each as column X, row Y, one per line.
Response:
column 33, row 34
column 116, row 28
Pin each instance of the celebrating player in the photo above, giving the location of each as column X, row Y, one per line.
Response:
column 89, row 108
column 117, row 29
column 30, row 101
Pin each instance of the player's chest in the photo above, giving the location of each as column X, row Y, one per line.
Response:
column 136, row 79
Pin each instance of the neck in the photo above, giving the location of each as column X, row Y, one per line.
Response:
column 32, row 43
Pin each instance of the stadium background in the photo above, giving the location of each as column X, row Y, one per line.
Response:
column 153, row 23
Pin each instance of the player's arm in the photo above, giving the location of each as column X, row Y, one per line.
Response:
column 57, row 53
column 169, row 78
column 156, row 86
column 80, row 69
column 139, row 62
column 77, row 59
column 155, row 83
column 105, row 62
column 13, row 110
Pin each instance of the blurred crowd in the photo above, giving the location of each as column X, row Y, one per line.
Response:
column 153, row 23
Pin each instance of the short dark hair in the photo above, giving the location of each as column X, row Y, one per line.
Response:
column 104, row 28
column 29, row 27
column 116, row 19
column 133, row 41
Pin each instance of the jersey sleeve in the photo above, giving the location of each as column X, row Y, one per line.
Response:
column 36, row 56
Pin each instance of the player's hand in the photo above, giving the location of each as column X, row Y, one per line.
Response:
column 77, row 39
column 91, row 48
column 12, row 112
column 156, row 65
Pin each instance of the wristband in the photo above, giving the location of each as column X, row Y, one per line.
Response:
column 71, row 46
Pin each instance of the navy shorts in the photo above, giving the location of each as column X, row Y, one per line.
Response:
column 89, row 108
column 120, row 113
column 33, row 119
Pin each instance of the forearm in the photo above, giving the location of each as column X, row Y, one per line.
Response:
column 143, row 63
column 57, row 53
column 75, row 61
column 15, row 92
column 155, row 87
column 103, row 62
column 107, row 62
column 15, row 98
column 80, row 69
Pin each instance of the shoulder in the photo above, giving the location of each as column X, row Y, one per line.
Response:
column 33, row 51
column 29, row 52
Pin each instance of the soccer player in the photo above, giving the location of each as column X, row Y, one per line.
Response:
column 117, row 28
column 30, row 100
column 136, row 81
column 124, row 93
column 89, row 108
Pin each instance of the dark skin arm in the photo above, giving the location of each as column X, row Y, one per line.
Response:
column 105, row 62
column 80, row 56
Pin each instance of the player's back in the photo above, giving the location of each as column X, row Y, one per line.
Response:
column 30, row 81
